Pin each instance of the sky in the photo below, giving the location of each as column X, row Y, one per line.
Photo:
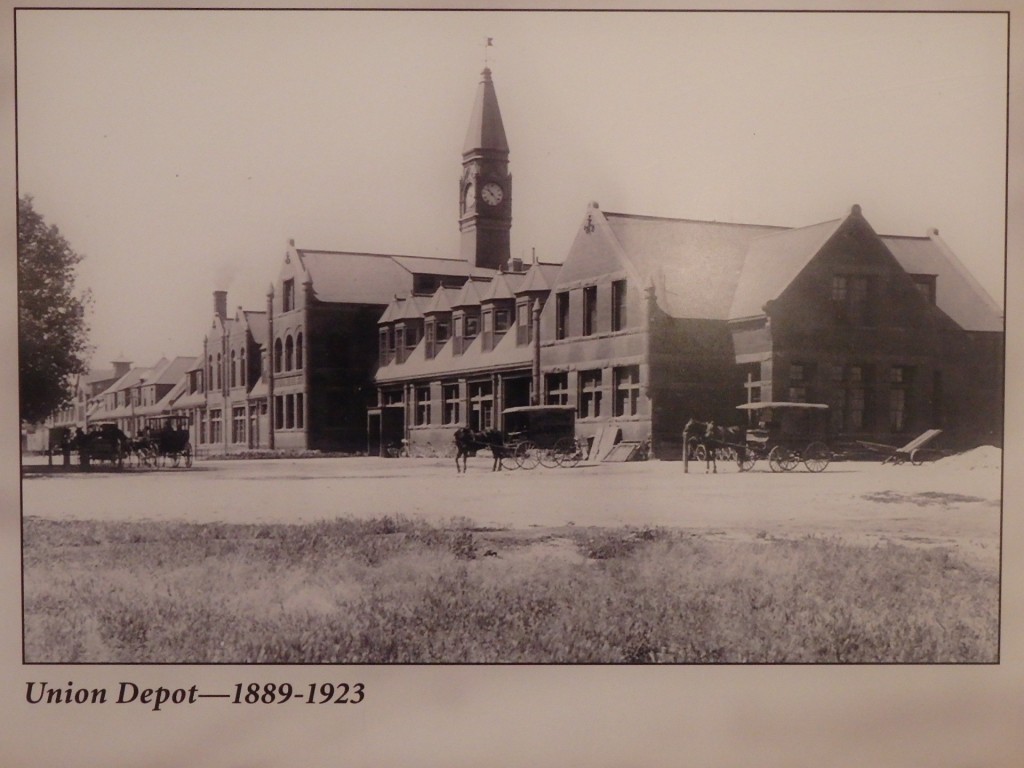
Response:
column 179, row 151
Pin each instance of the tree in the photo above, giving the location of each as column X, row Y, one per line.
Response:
column 52, row 332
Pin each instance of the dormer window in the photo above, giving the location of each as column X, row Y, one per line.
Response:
column 925, row 285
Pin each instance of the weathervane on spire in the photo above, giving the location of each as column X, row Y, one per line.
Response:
column 488, row 44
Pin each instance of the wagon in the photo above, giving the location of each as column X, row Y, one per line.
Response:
column 541, row 434
column 106, row 443
column 170, row 439
column 787, row 434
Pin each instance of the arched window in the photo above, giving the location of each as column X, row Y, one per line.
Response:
column 298, row 350
column 289, row 353
column 277, row 356
column 234, row 376
column 220, row 372
column 243, row 374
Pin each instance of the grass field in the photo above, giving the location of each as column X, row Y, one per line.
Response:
column 395, row 590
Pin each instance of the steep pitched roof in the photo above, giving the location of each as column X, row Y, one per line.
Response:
column 410, row 309
column 695, row 266
column 469, row 295
column 257, row 322
column 501, row 287
column 957, row 292
column 773, row 261
column 540, row 277
column 442, row 300
column 354, row 278
column 486, row 130
column 172, row 372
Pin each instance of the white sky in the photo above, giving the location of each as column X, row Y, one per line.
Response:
column 180, row 150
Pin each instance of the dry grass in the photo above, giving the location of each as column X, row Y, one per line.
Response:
column 394, row 590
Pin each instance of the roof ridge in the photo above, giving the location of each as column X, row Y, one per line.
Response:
column 647, row 217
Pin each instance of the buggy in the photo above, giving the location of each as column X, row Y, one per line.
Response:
column 169, row 438
column 105, row 443
column 541, row 434
column 787, row 434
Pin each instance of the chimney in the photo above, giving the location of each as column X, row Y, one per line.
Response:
column 220, row 304
column 121, row 367
column 517, row 265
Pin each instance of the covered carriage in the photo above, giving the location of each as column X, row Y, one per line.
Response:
column 167, row 438
column 787, row 434
column 540, row 434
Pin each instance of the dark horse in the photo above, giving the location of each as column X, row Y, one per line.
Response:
column 705, row 439
column 467, row 441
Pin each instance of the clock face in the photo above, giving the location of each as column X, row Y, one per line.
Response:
column 492, row 193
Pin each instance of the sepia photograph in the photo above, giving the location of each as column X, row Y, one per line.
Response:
column 306, row 379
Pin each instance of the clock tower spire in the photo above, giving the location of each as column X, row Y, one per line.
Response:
column 485, row 186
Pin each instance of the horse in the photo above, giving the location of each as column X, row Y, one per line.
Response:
column 706, row 438
column 465, row 443
column 493, row 439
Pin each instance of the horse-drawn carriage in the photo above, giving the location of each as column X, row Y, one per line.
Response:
column 787, row 434
column 165, row 438
column 534, row 434
column 103, row 443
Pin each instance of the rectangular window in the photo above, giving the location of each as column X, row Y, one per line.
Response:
column 392, row 397
column 897, row 409
column 412, row 337
column 502, row 320
column 384, row 346
column 472, row 326
column 238, row 425
column 300, row 417
column 481, row 400
column 430, row 345
column 289, row 411
column 627, row 390
column 925, row 285
column 278, row 412
column 288, row 296
column 450, row 398
column 422, row 406
column 557, row 385
column 215, row 426
column 618, row 305
column 590, row 394
column 561, row 315
column 443, row 332
column 589, row 310
column 524, row 324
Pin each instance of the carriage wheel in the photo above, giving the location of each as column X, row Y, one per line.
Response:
column 176, row 459
column 567, row 452
column 781, row 459
column 817, row 456
column 745, row 459
column 527, row 454
column 549, row 457
column 188, row 455
column 508, row 456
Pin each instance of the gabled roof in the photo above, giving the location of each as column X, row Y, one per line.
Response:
column 390, row 311
column 257, row 323
column 429, row 265
column 172, row 372
column 773, row 261
column 695, row 266
column 409, row 310
column 502, row 287
column 539, row 278
column 441, row 301
column 957, row 292
column 469, row 295
column 354, row 278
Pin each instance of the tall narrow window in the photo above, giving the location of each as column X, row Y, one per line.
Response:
column 589, row 310
column 590, row 394
column 278, row 355
column 524, row 324
column 234, row 377
column 618, row 305
column 289, row 411
column 561, row 315
column 557, row 385
column 243, row 371
column 289, row 353
column 288, row 296
column 450, row 398
column 481, row 401
column 627, row 390
column 298, row 350
column 300, row 414
column 900, row 382
column 422, row 406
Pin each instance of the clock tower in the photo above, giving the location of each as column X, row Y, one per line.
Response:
column 485, row 186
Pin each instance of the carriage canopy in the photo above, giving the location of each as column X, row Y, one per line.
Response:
column 543, row 424
column 785, row 420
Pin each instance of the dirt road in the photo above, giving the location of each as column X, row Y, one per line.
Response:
column 953, row 503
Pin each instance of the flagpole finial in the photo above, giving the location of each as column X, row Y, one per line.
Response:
column 487, row 44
